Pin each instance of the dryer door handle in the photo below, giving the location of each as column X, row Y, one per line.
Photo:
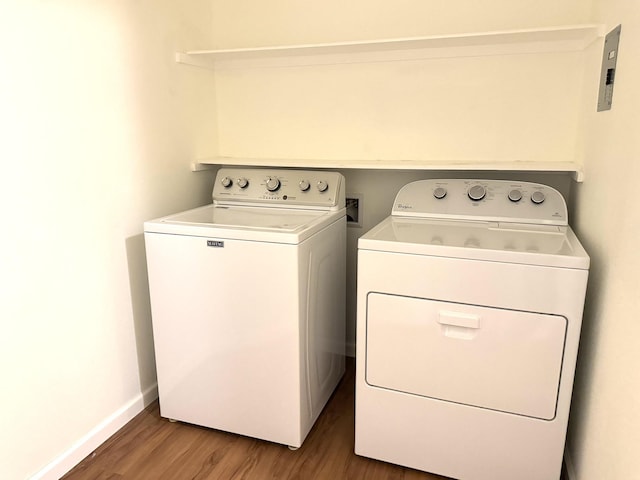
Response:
column 458, row 319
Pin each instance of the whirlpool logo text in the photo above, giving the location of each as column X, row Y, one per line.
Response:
column 403, row 206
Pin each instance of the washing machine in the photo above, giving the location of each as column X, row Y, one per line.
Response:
column 470, row 301
column 248, row 303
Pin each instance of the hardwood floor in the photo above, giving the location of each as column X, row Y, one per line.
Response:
column 151, row 447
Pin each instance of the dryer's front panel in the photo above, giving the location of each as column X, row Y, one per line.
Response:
column 491, row 358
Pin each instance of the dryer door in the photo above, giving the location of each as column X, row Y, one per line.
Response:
column 485, row 357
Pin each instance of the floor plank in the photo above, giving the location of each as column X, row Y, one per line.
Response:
column 151, row 447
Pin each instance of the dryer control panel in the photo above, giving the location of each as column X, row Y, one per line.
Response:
column 314, row 189
column 486, row 200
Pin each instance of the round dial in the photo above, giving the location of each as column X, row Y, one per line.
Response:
column 477, row 193
column 322, row 186
column 440, row 193
column 273, row 184
column 304, row 185
column 537, row 197
column 243, row 182
column 226, row 182
column 515, row 195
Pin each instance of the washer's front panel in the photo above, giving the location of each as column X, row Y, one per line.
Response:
column 490, row 358
column 226, row 343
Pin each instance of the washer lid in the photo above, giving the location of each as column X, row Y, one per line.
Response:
column 545, row 245
column 245, row 223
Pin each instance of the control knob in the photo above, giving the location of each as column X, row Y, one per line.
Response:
column 273, row 184
column 243, row 182
column 304, row 185
column 322, row 186
column 477, row 193
column 226, row 182
column 515, row 195
column 537, row 197
column 440, row 193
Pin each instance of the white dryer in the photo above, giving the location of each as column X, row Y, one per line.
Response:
column 248, row 303
column 470, row 300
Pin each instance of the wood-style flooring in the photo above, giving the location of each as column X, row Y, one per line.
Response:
column 151, row 447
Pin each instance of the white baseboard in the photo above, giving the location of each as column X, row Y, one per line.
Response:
column 97, row 436
column 569, row 470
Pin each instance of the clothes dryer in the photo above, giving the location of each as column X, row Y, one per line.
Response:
column 248, row 303
column 470, row 301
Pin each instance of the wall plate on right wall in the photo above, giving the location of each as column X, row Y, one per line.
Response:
column 608, row 70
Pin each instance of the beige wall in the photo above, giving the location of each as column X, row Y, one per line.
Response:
column 97, row 125
column 461, row 105
column 604, row 438
column 246, row 23
column 468, row 108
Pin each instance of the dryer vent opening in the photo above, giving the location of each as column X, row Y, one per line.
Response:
column 354, row 210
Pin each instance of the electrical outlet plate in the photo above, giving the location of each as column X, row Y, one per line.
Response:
column 608, row 71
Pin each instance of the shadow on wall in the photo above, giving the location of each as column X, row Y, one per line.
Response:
column 592, row 324
column 141, row 310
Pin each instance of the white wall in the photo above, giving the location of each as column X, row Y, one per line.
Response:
column 604, row 434
column 97, row 125
column 246, row 23
column 431, row 107
column 469, row 108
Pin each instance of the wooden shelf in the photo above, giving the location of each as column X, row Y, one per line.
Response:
column 572, row 168
column 562, row 38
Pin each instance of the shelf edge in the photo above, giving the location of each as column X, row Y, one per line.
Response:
column 584, row 34
column 574, row 169
column 194, row 60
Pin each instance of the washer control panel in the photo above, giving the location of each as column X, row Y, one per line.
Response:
column 489, row 200
column 286, row 188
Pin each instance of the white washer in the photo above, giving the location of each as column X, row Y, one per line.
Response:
column 248, row 303
column 470, row 300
